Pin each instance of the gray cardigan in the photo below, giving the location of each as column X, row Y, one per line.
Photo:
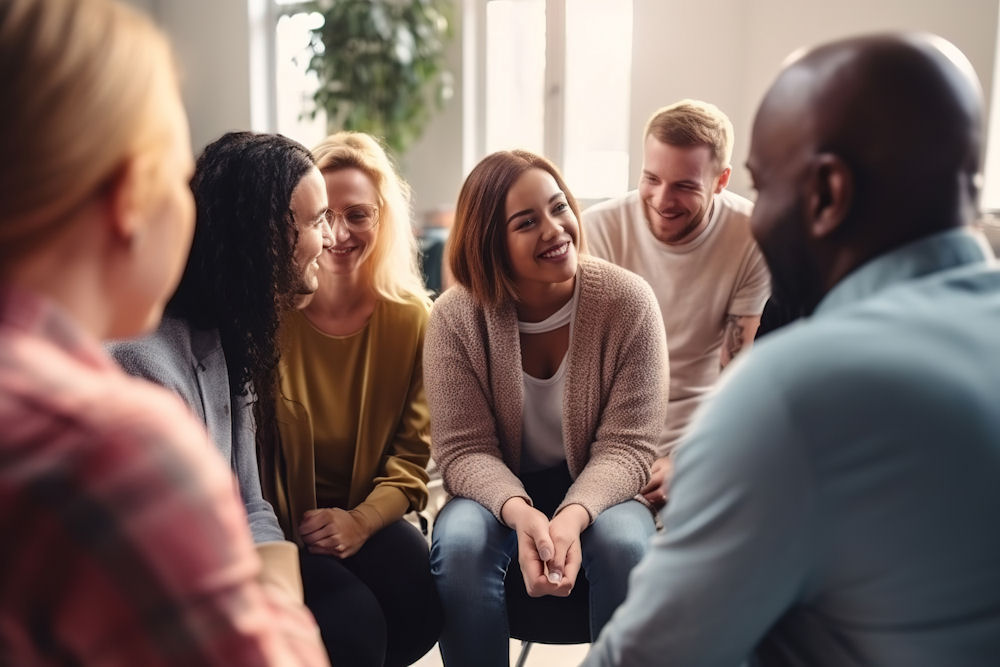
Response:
column 191, row 363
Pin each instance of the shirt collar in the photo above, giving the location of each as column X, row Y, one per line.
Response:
column 938, row 252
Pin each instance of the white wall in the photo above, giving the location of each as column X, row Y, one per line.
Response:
column 729, row 51
column 212, row 44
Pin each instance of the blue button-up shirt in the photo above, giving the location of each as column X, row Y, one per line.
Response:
column 836, row 501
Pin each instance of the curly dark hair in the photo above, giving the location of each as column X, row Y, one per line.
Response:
column 241, row 274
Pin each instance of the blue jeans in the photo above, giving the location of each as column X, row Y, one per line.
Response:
column 470, row 554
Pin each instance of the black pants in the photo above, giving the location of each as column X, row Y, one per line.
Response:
column 378, row 607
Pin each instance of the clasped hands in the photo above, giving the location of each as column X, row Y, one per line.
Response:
column 332, row 531
column 548, row 551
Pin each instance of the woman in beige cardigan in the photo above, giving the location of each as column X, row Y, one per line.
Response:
column 352, row 418
column 546, row 377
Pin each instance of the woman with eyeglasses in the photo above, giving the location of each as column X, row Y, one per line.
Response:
column 353, row 420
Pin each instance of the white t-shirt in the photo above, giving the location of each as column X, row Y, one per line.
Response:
column 697, row 284
column 541, row 413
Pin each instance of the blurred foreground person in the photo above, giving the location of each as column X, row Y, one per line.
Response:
column 124, row 540
column 854, row 523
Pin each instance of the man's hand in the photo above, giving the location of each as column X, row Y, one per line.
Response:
column 332, row 531
column 658, row 488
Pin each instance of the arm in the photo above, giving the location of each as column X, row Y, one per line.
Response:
column 752, row 288
column 464, row 437
column 736, row 550
column 737, row 335
column 401, row 484
column 158, row 360
column 632, row 417
column 263, row 522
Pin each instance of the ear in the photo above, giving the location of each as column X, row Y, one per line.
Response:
column 831, row 185
column 723, row 180
column 123, row 201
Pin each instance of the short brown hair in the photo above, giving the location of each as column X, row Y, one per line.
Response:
column 477, row 247
column 694, row 123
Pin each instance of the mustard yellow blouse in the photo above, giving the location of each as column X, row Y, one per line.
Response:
column 352, row 419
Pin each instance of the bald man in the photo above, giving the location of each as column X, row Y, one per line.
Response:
column 854, row 520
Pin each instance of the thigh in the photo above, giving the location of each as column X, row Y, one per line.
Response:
column 394, row 565
column 349, row 616
column 397, row 553
column 467, row 533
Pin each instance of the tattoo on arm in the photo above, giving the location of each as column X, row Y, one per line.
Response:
column 737, row 336
column 732, row 338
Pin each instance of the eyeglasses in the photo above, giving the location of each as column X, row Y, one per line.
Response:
column 358, row 218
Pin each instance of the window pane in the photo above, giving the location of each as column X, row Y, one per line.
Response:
column 598, row 69
column 295, row 86
column 515, row 75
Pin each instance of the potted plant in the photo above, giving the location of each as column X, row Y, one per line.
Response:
column 381, row 65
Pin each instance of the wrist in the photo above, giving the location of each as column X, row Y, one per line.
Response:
column 513, row 510
column 575, row 515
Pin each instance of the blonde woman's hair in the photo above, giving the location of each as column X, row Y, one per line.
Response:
column 80, row 81
column 395, row 273
column 694, row 123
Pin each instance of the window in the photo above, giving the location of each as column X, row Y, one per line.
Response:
column 294, row 86
column 282, row 89
column 543, row 75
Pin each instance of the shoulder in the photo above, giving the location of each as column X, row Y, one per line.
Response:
column 161, row 356
column 738, row 208
column 612, row 212
column 455, row 303
column 611, row 284
column 411, row 314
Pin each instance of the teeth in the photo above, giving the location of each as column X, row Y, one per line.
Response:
column 556, row 252
column 341, row 251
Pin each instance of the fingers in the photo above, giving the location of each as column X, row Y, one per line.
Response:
column 313, row 520
column 571, row 569
column 655, row 479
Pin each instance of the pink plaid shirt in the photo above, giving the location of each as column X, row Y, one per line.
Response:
column 124, row 541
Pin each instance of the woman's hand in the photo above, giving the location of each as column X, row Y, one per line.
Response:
column 332, row 531
column 534, row 546
column 565, row 529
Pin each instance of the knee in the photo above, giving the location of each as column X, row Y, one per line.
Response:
column 470, row 548
column 461, row 534
column 620, row 535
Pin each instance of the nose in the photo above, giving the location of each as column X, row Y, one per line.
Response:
column 661, row 198
column 551, row 227
column 338, row 227
column 327, row 234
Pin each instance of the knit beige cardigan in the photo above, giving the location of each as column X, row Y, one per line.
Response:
column 614, row 403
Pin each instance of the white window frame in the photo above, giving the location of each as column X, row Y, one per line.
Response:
column 474, row 83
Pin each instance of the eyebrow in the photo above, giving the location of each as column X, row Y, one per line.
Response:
column 526, row 211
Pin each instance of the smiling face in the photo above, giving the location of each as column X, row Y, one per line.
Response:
column 542, row 231
column 676, row 187
column 309, row 208
column 348, row 190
